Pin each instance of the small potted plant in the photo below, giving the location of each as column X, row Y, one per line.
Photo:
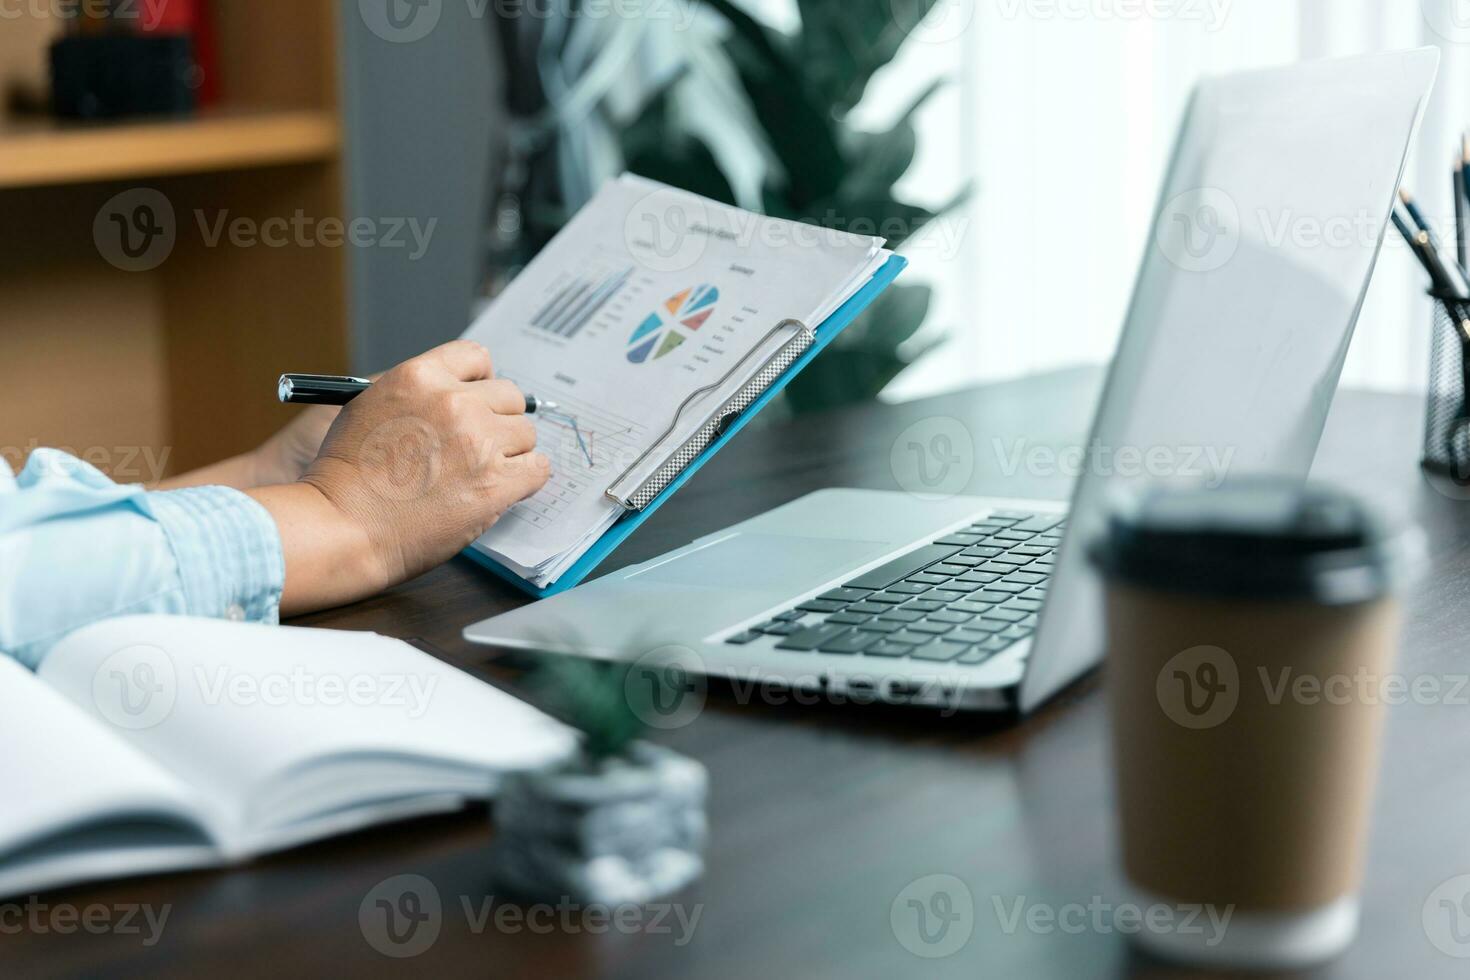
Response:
column 622, row 822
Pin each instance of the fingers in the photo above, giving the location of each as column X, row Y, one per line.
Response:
column 489, row 441
column 525, row 474
column 519, row 436
column 502, row 397
column 466, row 360
column 499, row 410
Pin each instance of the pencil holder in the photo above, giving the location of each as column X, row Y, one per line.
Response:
column 1447, row 411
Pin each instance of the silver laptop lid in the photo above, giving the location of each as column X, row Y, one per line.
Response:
column 1266, row 234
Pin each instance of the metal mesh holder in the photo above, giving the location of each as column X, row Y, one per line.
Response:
column 1447, row 411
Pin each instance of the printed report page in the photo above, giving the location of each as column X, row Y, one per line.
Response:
column 647, row 296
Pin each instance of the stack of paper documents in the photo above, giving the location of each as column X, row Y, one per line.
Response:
column 649, row 295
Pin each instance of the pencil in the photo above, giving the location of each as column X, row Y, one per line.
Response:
column 1448, row 276
column 1415, row 215
column 1412, row 237
column 1457, row 193
column 1465, row 164
column 1439, row 282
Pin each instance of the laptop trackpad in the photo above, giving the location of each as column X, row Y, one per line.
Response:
column 747, row 560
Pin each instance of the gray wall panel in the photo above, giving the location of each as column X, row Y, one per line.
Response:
column 422, row 120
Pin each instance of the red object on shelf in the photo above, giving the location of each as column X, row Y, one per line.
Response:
column 206, row 53
column 167, row 16
column 191, row 17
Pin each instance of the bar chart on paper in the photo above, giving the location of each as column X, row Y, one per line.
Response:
column 575, row 300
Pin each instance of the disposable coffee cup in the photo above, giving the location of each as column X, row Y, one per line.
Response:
column 1250, row 631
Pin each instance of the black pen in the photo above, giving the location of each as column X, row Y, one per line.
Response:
column 333, row 389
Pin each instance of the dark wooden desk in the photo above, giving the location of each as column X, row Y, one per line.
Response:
column 821, row 816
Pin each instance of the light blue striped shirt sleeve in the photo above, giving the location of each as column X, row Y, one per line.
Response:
column 76, row 548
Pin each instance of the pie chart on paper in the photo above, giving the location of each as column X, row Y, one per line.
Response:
column 674, row 322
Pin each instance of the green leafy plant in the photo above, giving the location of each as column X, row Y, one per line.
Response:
column 596, row 698
column 801, row 89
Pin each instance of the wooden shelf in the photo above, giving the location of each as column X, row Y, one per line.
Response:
column 155, row 354
column 35, row 154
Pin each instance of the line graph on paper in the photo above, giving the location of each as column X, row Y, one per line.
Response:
column 589, row 449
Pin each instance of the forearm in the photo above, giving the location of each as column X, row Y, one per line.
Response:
column 281, row 459
column 330, row 561
column 80, row 548
column 238, row 473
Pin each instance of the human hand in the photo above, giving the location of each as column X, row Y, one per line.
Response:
column 428, row 459
column 285, row 456
column 279, row 461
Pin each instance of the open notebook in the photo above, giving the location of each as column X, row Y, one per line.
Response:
column 655, row 320
column 154, row 743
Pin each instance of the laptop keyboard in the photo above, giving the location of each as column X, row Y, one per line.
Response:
column 963, row 598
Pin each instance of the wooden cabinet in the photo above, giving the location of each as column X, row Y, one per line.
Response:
column 177, row 362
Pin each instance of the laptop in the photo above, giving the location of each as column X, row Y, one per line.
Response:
column 1234, row 343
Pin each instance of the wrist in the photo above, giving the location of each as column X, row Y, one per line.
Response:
column 266, row 465
column 330, row 557
column 372, row 541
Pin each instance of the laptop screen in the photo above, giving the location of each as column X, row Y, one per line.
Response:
column 1268, row 228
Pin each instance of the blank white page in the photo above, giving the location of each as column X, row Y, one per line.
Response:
column 60, row 770
column 240, row 707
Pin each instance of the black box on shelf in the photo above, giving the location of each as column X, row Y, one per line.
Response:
column 106, row 77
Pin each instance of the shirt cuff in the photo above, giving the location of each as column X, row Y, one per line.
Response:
column 228, row 551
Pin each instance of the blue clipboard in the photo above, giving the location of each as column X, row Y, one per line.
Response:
column 630, row 522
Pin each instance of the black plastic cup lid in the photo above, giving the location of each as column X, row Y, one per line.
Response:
column 1258, row 539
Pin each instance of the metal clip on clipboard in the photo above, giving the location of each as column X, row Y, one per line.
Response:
column 640, row 495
